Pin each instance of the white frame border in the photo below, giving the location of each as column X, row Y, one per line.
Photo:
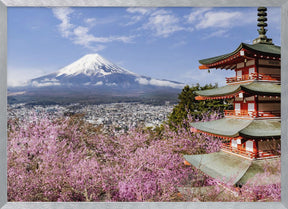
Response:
column 142, row 3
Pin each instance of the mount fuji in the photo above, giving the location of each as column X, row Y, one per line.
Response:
column 94, row 70
column 92, row 78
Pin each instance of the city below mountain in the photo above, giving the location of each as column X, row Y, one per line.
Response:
column 93, row 79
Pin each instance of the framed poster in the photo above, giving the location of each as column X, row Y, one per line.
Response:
column 158, row 20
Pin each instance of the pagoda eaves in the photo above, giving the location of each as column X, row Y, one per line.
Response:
column 229, row 91
column 244, row 51
column 229, row 128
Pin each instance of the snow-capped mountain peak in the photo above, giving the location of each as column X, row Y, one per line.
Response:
column 94, row 71
column 91, row 65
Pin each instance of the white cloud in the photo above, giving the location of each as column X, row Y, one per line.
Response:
column 223, row 19
column 219, row 19
column 165, row 83
column 217, row 33
column 37, row 84
column 63, row 14
column 160, row 22
column 16, row 83
column 19, row 76
column 99, row 83
column 156, row 82
column 46, row 82
column 81, row 35
column 90, row 21
column 134, row 19
column 142, row 81
column 194, row 15
column 140, row 10
column 163, row 23
column 111, row 84
column 50, row 80
column 138, row 14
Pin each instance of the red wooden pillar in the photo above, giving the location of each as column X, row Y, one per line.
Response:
column 256, row 67
column 257, row 149
column 256, row 104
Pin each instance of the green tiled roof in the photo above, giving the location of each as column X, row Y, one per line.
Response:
column 263, row 88
column 233, row 169
column 260, row 128
column 221, row 91
column 220, row 165
column 260, row 47
column 264, row 48
column 233, row 127
column 229, row 127
column 260, row 88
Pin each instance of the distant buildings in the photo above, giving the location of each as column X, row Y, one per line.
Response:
column 114, row 116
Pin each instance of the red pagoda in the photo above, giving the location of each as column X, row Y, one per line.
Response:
column 251, row 131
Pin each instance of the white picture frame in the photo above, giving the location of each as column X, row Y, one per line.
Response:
column 142, row 3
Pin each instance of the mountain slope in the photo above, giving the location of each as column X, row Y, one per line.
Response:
column 94, row 79
column 93, row 70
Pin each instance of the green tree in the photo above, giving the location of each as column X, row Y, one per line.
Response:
column 188, row 104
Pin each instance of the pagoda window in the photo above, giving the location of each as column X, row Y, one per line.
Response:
column 239, row 141
column 239, row 74
column 251, row 107
column 234, row 143
column 237, row 108
column 251, row 70
column 249, row 146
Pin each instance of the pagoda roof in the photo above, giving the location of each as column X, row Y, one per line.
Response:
column 234, row 127
column 262, row 48
column 232, row 169
column 256, row 87
column 220, row 165
column 228, row 127
column 260, row 128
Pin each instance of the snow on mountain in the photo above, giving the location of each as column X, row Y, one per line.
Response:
column 95, row 71
column 92, row 65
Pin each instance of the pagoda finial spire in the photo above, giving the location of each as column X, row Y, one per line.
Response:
column 262, row 19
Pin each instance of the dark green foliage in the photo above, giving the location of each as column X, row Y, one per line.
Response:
column 188, row 104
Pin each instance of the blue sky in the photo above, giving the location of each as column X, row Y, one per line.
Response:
column 163, row 43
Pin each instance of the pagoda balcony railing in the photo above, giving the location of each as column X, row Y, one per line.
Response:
column 245, row 153
column 254, row 76
column 248, row 154
column 252, row 114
